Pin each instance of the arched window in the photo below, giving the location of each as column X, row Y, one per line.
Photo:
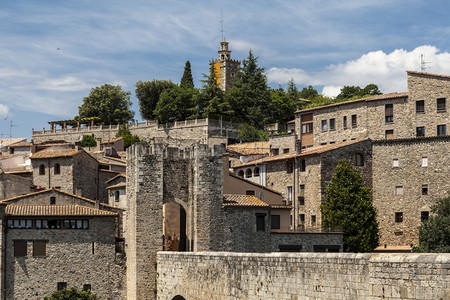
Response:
column 358, row 159
column 241, row 173
column 248, row 173
column 256, row 172
column 302, row 165
column 117, row 195
column 41, row 170
column 57, row 169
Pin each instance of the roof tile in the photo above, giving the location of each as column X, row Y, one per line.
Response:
column 243, row 200
column 55, row 210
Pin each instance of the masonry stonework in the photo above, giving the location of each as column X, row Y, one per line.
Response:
column 225, row 275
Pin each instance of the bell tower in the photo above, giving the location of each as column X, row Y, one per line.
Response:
column 225, row 67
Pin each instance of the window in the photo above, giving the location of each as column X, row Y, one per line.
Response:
column 420, row 131
column 424, row 215
column 286, row 150
column 307, row 128
column 260, row 222
column 54, row 224
column 39, row 248
column 398, row 217
column 301, row 219
column 354, row 121
column 324, row 125
column 41, row 170
column 52, row 200
column 301, row 190
column 333, row 124
column 117, row 196
column 424, row 161
column 389, row 134
column 344, row 122
column 256, row 172
column 313, row 220
column 275, row 221
column 275, row 151
column 20, row 248
column 424, row 189
column 420, row 106
column 440, row 105
column 441, row 130
column 57, row 169
column 250, row 192
column 62, row 286
column 248, row 173
column 289, row 193
column 358, row 159
column 395, row 163
column 240, row 173
column 289, row 166
column 302, row 165
column 301, row 200
column 399, row 190
column 389, row 113
column 86, row 287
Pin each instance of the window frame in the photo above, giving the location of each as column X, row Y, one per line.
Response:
column 441, row 130
column 248, row 173
column 420, row 131
column 399, row 189
column 260, row 222
column 275, row 222
column 420, row 106
column 20, row 248
column 389, row 113
column 425, row 189
column 57, row 169
column 344, row 122
column 39, row 248
column 398, row 217
column 332, row 124
column 324, row 125
column 41, row 169
column 441, row 107
column 302, row 166
column 389, row 134
column 354, row 121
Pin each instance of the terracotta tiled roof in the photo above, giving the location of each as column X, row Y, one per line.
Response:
column 119, row 185
column 373, row 98
column 21, row 144
column 55, row 210
column 243, row 200
column 10, row 141
column 305, row 152
column 51, row 153
column 427, row 74
column 112, row 140
column 6, row 201
column 250, row 148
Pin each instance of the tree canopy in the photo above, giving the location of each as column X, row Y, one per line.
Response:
column 356, row 92
column 72, row 294
column 187, row 81
column 148, row 93
column 108, row 102
column 348, row 206
column 434, row 233
column 128, row 138
column 88, row 141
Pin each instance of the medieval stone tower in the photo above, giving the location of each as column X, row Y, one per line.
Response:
column 225, row 67
column 191, row 177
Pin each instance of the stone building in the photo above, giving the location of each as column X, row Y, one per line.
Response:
column 53, row 240
column 302, row 177
column 226, row 68
column 193, row 178
column 408, row 176
column 422, row 111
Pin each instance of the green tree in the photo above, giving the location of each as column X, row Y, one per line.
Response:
column 250, row 97
column 308, row 93
column 348, row 206
column 108, row 102
column 212, row 103
column 128, row 138
column 282, row 106
column 186, row 80
column 434, row 234
column 248, row 133
column 72, row 294
column 88, row 141
column 148, row 93
column 176, row 104
column 356, row 92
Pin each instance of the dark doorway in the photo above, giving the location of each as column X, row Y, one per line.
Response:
column 174, row 227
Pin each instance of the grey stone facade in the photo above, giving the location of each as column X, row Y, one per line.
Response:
column 409, row 175
column 213, row 275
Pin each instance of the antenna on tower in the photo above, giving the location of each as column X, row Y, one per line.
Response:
column 221, row 24
column 423, row 63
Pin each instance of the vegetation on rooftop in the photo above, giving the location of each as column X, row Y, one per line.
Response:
column 72, row 294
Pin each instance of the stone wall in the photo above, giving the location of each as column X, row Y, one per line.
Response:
column 411, row 176
column 283, row 142
column 177, row 134
column 13, row 185
column 306, row 242
column 74, row 256
column 225, row 275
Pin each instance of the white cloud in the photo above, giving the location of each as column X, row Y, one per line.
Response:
column 387, row 70
column 331, row 90
column 4, row 111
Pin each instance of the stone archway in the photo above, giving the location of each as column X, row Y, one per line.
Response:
column 178, row 297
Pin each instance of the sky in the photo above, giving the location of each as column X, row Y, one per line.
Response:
column 53, row 52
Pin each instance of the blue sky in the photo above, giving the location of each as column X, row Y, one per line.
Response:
column 53, row 52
